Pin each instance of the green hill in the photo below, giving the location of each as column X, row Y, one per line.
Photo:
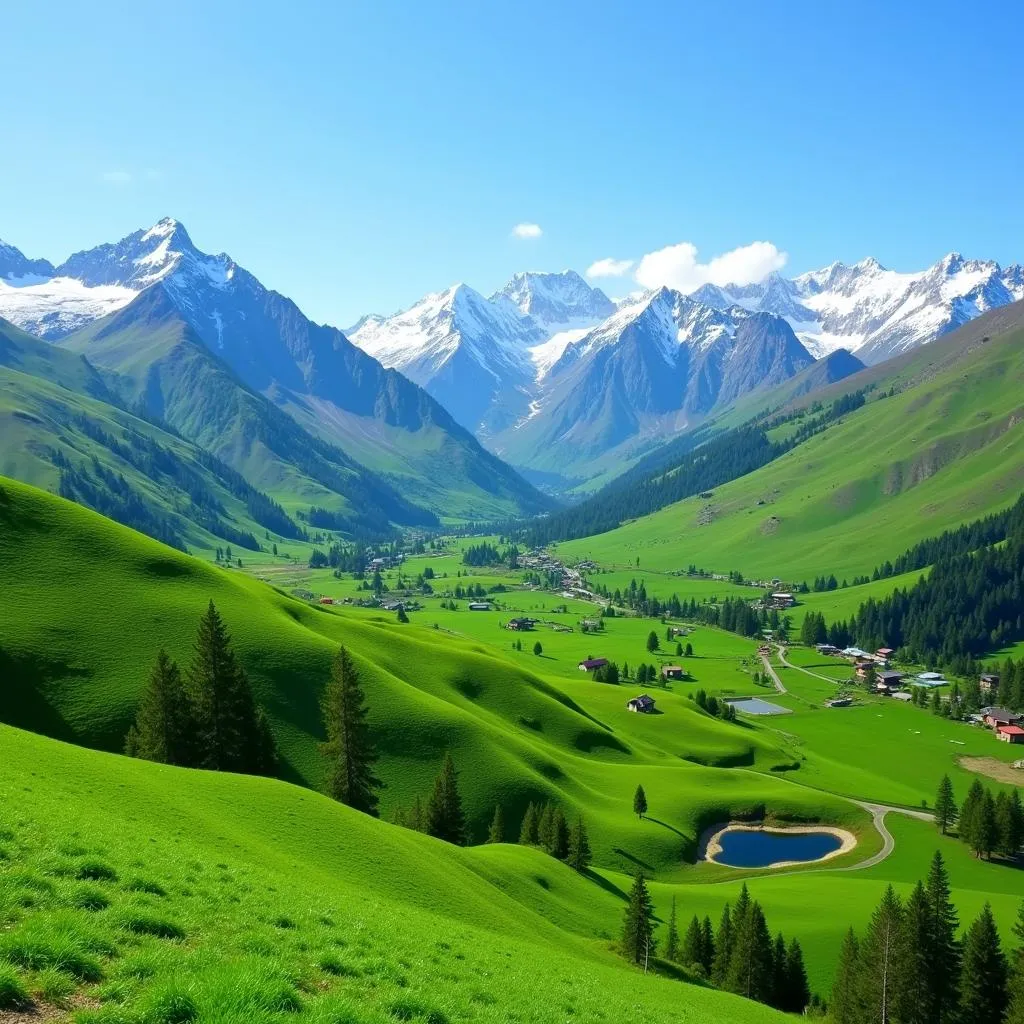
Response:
column 939, row 442
column 159, row 895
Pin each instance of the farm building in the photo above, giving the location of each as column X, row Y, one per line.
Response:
column 519, row 625
column 928, row 677
column 673, row 672
column 828, row 649
column 855, row 653
column 988, row 682
column 994, row 717
column 479, row 606
column 1010, row 733
column 863, row 666
column 885, row 653
column 888, row 679
column 590, row 664
column 781, row 600
column 643, row 704
column 327, row 600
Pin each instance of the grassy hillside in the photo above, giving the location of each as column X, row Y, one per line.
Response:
column 516, row 736
column 139, row 893
column 940, row 442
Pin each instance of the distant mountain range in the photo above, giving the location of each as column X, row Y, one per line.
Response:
column 571, row 387
column 199, row 342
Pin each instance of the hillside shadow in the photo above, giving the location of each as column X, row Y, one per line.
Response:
column 632, row 859
column 605, row 884
column 665, row 824
column 26, row 705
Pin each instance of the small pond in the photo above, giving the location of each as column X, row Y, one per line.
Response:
column 757, row 706
column 743, row 848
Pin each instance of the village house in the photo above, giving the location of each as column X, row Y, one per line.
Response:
column 1010, row 733
column 888, row 680
column 994, row 717
column 590, row 664
column 673, row 672
column 828, row 649
column 642, row 704
column 519, row 625
column 863, row 666
column 988, row 682
column 884, row 653
column 782, row 600
column 327, row 600
column 854, row 653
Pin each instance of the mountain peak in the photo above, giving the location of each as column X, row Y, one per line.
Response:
column 869, row 263
column 556, row 298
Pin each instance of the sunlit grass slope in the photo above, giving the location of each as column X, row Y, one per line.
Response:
column 153, row 895
column 940, row 442
column 89, row 603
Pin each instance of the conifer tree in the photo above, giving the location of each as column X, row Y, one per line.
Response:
column 638, row 926
column 879, row 966
column 496, row 833
column 985, row 834
column 546, row 827
column 1015, row 966
column 798, row 992
column 1009, row 824
column 944, row 950
column 227, row 727
column 845, row 1006
column 691, row 954
column 970, row 814
column 910, row 1002
column 983, row 987
column 349, row 749
column 528, row 829
column 445, row 819
column 640, row 802
column 723, row 948
column 671, row 949
column 707, row 946
column 417, row 819
column 163, row 724
column 653, row 643
column 559, row 835
column 779, row 991
column 750, row 965
column 945, row 805
column 579, row 846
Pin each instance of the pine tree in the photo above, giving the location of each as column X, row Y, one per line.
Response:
column 639, row 802
column 910, row 1001
column 878, row 960
column 986, row 830
column 653, row 643
column 1015, row 1013
column 163, row 724
column 671, row 947
column 983, row 990
column 349, row 749
column 798, row 992
column 638, row 926
column 1008, row 824
column 691, row 954
column 779, row 991
column 750, row 966
column 546, row 827
column 944, row 950
column 496, row 833
column 445, row 818
column 970, row 814
column 227, row 728
column 845, row 1005
column 579, row 846
column 945, row 805
column 723, row 948
column 707, row 946
column 559, row 835
column 417, row 819
column 528, row 829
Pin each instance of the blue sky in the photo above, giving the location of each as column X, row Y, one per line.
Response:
column 355, row 156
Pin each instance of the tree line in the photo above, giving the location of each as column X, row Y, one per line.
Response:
column 910, row 966
column 987, row 824
column 741, row 957
column 206, row 718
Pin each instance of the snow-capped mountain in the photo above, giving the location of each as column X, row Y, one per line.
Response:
column 875, row 312
column 482, row 357
column 332, row 387
column 657, row 365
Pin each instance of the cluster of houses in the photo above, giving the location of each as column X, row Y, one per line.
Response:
column 780, row 600
column 520, row 625
column 1004, row 723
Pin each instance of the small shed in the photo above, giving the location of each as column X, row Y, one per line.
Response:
column 589, row 664
column 643, row 704
column 1010, row 733
column 479, row 606
column 673, row 672
column 989, row 681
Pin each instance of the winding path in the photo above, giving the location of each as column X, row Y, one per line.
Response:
column 770, row 669
column 878, row 813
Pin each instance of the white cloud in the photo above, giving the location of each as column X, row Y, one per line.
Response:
column 677, row 266
column 609, row 267
column 116, row 177
column 527, row 231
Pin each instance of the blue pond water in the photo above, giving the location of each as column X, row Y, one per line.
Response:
column 742, row 849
